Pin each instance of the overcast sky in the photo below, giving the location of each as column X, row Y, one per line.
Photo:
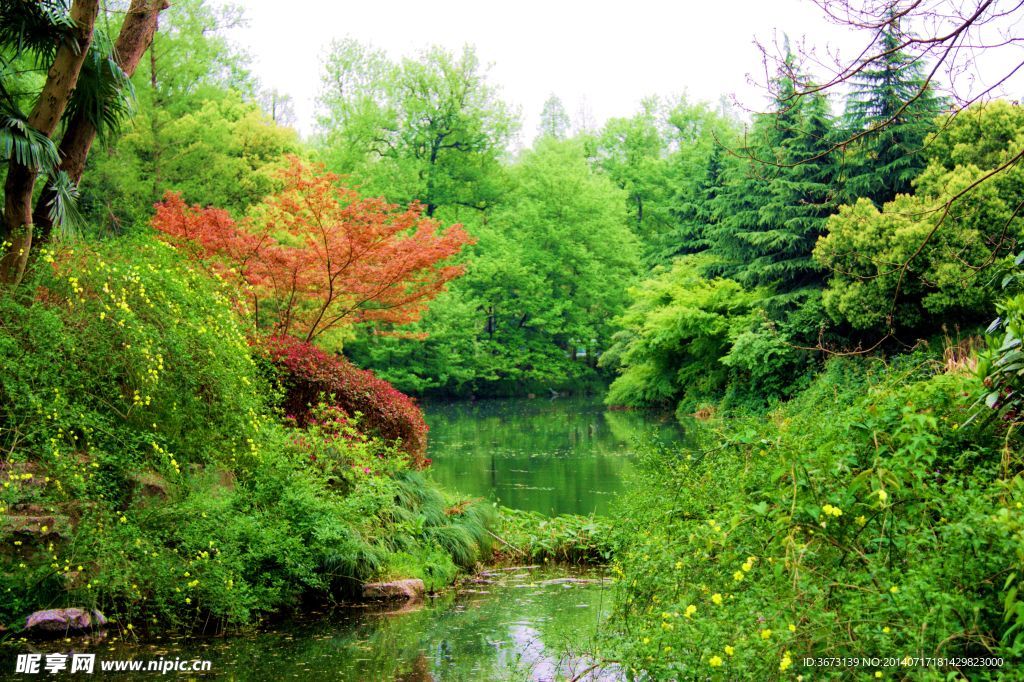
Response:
column 600, row 57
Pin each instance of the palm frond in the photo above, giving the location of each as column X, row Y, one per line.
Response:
column 35, row 26
column 63, row 207
column 104, row 95
column 26, row 145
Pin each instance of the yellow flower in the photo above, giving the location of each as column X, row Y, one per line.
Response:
column 690, row 610
column 715, row 661
column 646, row 640
column 187, row 600
column 861, row 520
column 878, row 673
column 882, row 496
column 716, row 598
column 886, row 629
column 129, row 626
column 792, row 627
column 747, row 566
column 729, row 651
column 667, row 649
column 786, row 661
column 766, row 633
column 894, row 589
column 737, row 576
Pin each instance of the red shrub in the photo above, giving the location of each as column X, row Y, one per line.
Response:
column 386, row 411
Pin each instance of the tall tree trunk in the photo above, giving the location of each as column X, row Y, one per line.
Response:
column 53, row 100
column 136, row 35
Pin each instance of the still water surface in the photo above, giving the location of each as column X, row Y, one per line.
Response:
column 561, row 456
column 529, row 623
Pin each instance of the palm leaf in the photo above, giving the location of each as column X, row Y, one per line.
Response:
column 26, row 145
column 104, row 95
column 35, row 26
column 63, row 207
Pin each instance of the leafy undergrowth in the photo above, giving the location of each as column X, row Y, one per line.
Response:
column 864, row 518
column 145, row 470
column 529, row 536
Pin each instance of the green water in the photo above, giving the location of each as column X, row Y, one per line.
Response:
column 529, row 623
column 552, row 456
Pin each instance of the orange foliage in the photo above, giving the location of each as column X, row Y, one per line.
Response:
column 318, row 256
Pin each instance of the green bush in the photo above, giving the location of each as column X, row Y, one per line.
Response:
column 860, row 519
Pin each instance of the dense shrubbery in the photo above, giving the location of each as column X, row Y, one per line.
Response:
column 310, row 375
column 144, row 472
column 859, row 519
column 688, row 340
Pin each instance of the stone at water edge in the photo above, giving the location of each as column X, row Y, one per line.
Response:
column 408, row 589
column 61, row 621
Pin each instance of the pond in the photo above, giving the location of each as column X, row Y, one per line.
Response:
column 524, row 623
column 528, row 623
column 554, row 456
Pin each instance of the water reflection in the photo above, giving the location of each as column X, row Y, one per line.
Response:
column 519, row 625
column 551, row 456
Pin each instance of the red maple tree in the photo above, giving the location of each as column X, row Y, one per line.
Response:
column 317, row 256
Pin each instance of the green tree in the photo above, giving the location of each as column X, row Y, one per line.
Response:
column 554, row 120
column 548, row 273
column 700, row 137
column 191, row 66
column 893, row 111
column 921, row 260
column 675, row 333
column 430, row 129
column 775, row 211
column 632, row 151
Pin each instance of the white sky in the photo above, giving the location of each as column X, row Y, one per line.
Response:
column 596, row 55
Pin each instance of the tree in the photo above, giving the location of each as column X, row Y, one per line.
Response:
column 192, row 94
column 892, row 109
column 700, row 137
column 105, row 102
column 775, row 213
column 63, row 37
column 317, row 257
column 632, row 151
column 549, row 271
column 674, row 335
column 429, row 130
column 894, row 269
column 554, row 120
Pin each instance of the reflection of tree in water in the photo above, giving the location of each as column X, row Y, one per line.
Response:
column 518, row 630
column 551, row 456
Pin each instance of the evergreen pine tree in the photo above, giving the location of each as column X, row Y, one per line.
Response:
column 801, row 197
column 893, row 111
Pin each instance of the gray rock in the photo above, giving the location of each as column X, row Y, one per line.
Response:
column 410, row 589
column 64, row 621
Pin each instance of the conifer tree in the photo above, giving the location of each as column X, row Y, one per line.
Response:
column 892, row 112
column 773, row 211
